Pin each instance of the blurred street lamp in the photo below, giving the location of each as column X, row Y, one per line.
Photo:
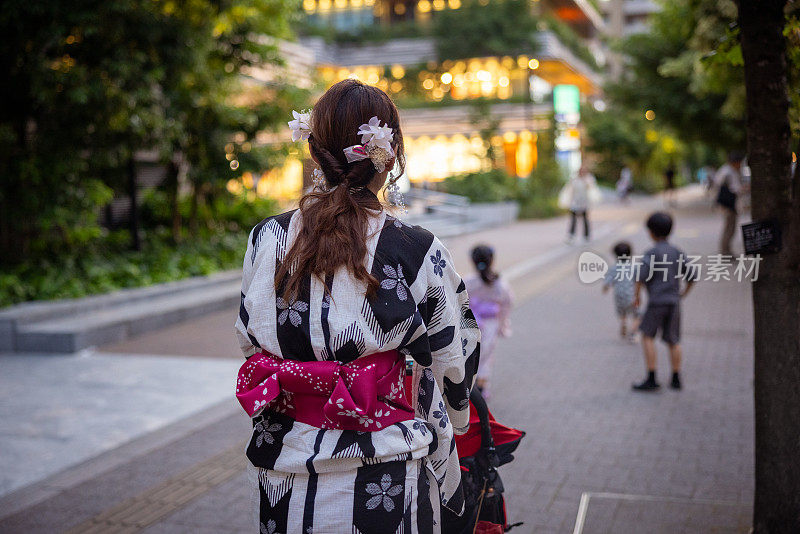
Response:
column 650, row 115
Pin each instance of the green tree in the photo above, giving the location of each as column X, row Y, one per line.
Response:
column 497, row 28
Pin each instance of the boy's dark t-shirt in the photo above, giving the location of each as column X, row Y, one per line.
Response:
column 662, row 267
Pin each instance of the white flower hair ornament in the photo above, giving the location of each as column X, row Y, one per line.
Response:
column 301, row 125
column 376, row 144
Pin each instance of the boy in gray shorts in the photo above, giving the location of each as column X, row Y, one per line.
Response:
column 661, row 271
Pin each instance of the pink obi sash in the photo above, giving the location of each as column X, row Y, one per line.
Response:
column 365, row 394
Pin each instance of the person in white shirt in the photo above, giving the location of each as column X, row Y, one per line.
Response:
column 579, row 195
column 625, row 183
column 728, row 184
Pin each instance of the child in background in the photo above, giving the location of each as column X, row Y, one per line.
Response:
column 662, row 268
column 490, row 300
column 621, row 278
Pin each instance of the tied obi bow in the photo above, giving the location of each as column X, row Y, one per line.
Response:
column 365, row 394
column 484, row 309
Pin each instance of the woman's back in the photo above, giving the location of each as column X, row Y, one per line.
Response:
column 419, row 309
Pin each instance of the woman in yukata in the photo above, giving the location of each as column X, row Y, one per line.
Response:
column 335, row 295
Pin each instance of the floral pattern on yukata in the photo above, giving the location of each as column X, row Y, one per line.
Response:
column 383, row 494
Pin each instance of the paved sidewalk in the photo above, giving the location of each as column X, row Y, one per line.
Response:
column 621, row 461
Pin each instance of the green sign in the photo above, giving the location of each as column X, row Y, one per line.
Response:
column 566, row 99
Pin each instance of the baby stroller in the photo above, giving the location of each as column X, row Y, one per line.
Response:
column 486, row 446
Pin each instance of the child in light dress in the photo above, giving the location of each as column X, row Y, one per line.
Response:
column 490, row 300
column 621, row 278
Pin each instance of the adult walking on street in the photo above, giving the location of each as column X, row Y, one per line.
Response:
column 624, row 184
column 334, row 296
column 580, row 193
column 728, row 184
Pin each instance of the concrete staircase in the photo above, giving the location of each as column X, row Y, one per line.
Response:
column 75, row 324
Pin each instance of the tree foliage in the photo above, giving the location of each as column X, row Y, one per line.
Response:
column 91, row 83
column 499, row 28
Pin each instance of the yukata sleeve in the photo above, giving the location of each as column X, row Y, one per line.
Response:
column 246, row 339
column 453, row 335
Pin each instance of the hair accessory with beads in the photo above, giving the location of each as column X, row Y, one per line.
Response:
column 376, row 144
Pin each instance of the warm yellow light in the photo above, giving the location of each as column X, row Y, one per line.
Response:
column 503, row 82
column 650, row 114
column 398, row 71
column 438, row 5
column 400, row 9
column 354, row 76
column 484, row 75
column 324, row 4
column 508, row 62
column 454, row 4
column 229, row 147
column 396, row 87
column 340, row 4
column 522, row 61
column 369, row 2
column 447, row 77
column 246, row 147
column 533, row 64
column 424, row 6
column 342, row 74
column 509, row 137
column 309, row 5
column 234, row 165
column 372, row 78
column 469, row 77
column 229, row 156
column 651, row 136
column 356, row 3
column 458, row 80
column 437, row 93
column 525, row 135
column 428, row 84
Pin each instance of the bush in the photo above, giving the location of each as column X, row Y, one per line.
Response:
column 108, row 264
column 483, row 186
column 537, row 194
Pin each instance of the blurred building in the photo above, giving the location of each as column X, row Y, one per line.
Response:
column 434, row 93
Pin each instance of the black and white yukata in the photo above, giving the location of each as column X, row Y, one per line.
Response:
column 391, row 480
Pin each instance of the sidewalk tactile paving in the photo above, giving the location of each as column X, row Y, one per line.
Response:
column 145, row 509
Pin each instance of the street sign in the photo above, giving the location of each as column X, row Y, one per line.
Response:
column 761, row 237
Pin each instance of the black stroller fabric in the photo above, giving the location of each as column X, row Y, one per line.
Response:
column 484, row 506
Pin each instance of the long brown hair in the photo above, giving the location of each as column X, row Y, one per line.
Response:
column 333, row 230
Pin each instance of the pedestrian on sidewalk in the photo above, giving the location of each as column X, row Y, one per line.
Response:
column 661, row 270
column 624, row 184
column 490, row 299
column 728, row 185
column 669, row 186
column 621, row 278
column 335, row 294
column 580, row 194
